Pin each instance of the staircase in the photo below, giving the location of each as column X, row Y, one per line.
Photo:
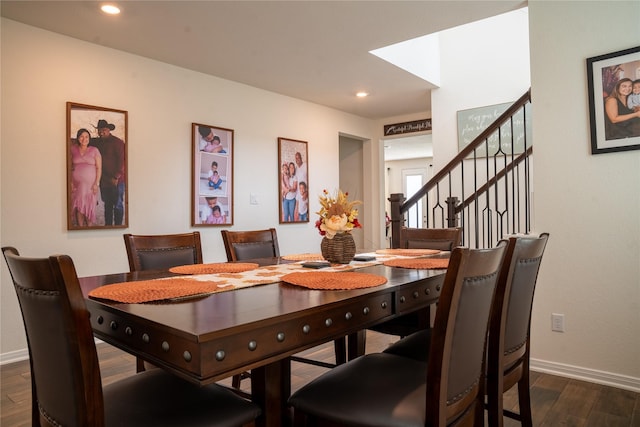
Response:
column 485, row 189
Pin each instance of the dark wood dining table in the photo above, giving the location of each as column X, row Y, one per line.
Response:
column 209, row 338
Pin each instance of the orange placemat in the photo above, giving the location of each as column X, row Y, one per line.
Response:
column 220, row 267
column 419, row 263
column 334, row 280
column 408, row 252
column 154, row 290
column 303, row 257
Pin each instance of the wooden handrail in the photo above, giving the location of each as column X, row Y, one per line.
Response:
column 446, row 170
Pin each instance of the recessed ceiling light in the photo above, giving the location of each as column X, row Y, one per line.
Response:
column 362, row 94
column 110, row 9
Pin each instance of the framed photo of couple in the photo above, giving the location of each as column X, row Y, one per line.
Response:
column 293, row 180
column 212, row 180
column 614, row 101
column 96, row 146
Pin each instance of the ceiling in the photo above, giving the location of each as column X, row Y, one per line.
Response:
column 311, row 50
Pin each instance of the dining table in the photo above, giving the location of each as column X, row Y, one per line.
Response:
column 207, row 338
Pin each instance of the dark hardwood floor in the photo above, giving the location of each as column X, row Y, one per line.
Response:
column 556, row 401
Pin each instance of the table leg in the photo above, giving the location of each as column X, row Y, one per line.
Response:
column 356, row 344
column 270, row 388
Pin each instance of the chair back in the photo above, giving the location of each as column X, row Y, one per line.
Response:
column 455, row 372
column 444, row 239
column 162, row 251
column 65, row 377
column 511, row 312
column 243, row 245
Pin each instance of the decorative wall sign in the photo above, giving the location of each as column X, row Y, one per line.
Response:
column 407, row 127
column 474, row 121
column 212, row 180
column 96, row 146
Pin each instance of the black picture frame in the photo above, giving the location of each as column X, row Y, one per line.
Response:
column 604, row 74
column 212, row 175
column 106, row 204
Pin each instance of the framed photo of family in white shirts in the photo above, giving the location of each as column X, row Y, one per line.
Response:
column 293, row 169
column 212, row 180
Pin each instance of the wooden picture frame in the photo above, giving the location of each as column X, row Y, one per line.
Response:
column 212, row 180
column 293, row 204
column 608, row 77
column 97, row 170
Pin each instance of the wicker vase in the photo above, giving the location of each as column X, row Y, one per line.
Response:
column 339, row 250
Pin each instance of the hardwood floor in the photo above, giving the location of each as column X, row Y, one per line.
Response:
column 556, row 401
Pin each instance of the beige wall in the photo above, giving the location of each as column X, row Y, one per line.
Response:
column 590, row 204
column 41, row 71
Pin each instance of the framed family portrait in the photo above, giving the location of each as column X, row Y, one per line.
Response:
column 96, row 144
column 293, row 180
column 614, row 101
column 212, row 180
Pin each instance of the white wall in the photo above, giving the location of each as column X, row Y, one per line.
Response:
column 41, row 71
column 589, row 203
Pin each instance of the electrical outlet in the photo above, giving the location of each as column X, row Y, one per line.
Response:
column 557, row 322
column 253, row 199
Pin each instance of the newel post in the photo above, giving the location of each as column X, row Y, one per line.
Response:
column 452, row 218
column 396, row 199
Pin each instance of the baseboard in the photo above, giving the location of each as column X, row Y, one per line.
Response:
column 569, row 371
column 20, row 355
column 590, row 375
column 14, row 356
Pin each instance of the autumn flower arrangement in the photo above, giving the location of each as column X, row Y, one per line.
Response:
column 337, row 214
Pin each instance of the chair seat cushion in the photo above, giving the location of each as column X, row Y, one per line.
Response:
column 156, row 398
column 415, row 346
column 377, row 390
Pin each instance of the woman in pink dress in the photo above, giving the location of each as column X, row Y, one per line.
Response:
column 86, row 167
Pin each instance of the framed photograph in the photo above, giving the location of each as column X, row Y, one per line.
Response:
column 96, row 167
column 212, row 181
column 614, row 101
column 293, row 173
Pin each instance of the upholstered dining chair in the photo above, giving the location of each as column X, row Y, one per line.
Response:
column 243, row 245
column 161, row 252
column 66, row 386
column 252, row 244
column 444, row 239
column 383, row 389
column 509, row 339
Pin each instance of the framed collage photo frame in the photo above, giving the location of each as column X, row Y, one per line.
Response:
column 293, row 173
column 212, row 180
column 614, row 101
column 96, row 146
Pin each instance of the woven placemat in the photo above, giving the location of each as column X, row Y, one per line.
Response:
column 408, row 252
column 333, row 280
column 419, row 263
column 220, row 267
column 154, row 290
column 303, row 257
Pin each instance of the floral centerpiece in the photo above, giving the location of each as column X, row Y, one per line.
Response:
column 338, row 216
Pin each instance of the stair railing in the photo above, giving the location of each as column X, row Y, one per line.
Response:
column 485, row 189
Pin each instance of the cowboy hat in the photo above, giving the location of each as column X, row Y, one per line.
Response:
column 104, row 124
